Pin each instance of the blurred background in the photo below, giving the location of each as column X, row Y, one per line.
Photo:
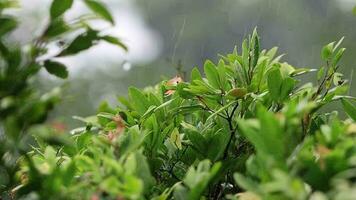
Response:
column 163, row 35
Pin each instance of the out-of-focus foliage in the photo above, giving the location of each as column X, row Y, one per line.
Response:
column 246, row 129
column 22, row 107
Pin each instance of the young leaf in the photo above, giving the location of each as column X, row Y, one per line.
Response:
column 274, row 82
column 301, row 71
column 58, row 7
column 245, row 54
column 211, row 74
column 286, row 87
column 80, row 43
column 115, row 41
column 237, row 93
column 222, row 75
column 349, row 108
column 195, row 137
column 338, row 43
column 56, row 28
column 256, row 48
column 327, row 51
column 56, row 68
column 338, row 56
column 138, row 100
column 175, row 138
column 272, row 134
column 100, row 9
column 272, row 52
column 220, row 110
column 320, row 73
column 195, row 75
column 244, row 182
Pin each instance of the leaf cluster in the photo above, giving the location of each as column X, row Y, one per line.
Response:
column 244, row 128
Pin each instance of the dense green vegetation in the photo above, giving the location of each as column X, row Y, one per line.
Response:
column 247, row 128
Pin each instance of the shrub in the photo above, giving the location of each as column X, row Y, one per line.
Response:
column 247, row 129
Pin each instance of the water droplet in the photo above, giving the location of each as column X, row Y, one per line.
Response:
column 126, row 66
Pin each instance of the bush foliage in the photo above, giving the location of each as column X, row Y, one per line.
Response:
column 248, row 128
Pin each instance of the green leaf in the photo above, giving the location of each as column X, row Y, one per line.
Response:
column 143, row 171
column 256, row 48
column 338, row 56
column 100, row 9
column 272, row 52
column 327, row 51
column 195, row 137
column 165, row 104
column 110, row 185
column 148, row 113
column 222, row 75
column 58, row 7
column 212, row 74
column 7, row 24
column 265, row 134
column 80, row 43
column 320, row 73
column 354, row 10
column 245, row 55
column 338, row 43
column 287, row 86
column 56, row 28
column 271, row 133
column 56, row 68
column 237, row 93
column 244, row 182
column 175, row 138
column 195, row 75
column 138, row 100
column 220, row 110
column 274, row 82
column 69, row 174
column 115, row 41
column 4, row 4
column 301, row 71
column 131, row 140
column 197, row 179
column 180, row 192
column 337, row 78
column 217, row 144
column 182, row 90
column 349, row 108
